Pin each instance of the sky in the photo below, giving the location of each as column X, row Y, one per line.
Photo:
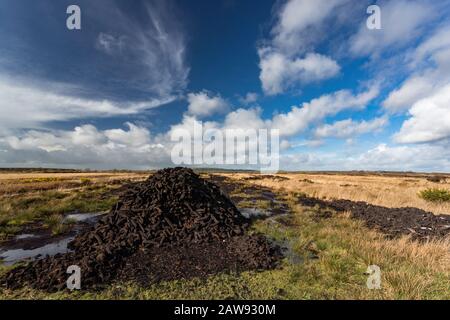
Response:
column 343, row 96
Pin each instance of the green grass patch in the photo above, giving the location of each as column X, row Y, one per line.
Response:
column 257, row 204
column 57, row 224
column 435, row 195
column 42, row 179
column 49, row 206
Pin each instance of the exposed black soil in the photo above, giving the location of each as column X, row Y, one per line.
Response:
column 437, row 179
column 265, row 176
column 237, row 254
column 394, row 222
column 174, row 225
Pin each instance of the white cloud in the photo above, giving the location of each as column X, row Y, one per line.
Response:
column 110, row 44
column 245, row 119
column 349, row 128
column 426, row 93
column 148, row 55
column 381, row 157
column 404, row 158
column 300, row 118
column 86, row 146
column 439, row 41
column 291, row 123
column 25, row 104
column 297, row 119
column 402, row 21
column 433, row 55
column 287, row 59
column 250, row 97
column 411, row 91
column 148, row 51
column 202, row 104
column 429, row 119
column 279, row 72
column 297, row 16
column 163, row 49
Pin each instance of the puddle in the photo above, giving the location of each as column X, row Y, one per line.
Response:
column 292, row 256
column 41, row 243
column 288, row 252
column 83, row 217
column 257, row 213
column 25, row 236
column 251, row 213
column 10, row 257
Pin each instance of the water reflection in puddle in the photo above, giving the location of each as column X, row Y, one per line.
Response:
column 250, row 213
column 16, row 253
column 10, row 257
column 83, row 217
column 25, row 236
column 288, row 251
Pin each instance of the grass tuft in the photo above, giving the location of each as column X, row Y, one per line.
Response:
column 435, row 195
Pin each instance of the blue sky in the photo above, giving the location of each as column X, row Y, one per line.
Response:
column 343, row 97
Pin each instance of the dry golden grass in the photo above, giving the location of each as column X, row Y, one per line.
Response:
column 379, row 190
column 11, row 183
column 410, row 269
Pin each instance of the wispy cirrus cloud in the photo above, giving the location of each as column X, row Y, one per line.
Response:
column 135, row 65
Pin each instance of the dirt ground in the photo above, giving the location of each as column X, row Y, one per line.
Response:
column 327, row 251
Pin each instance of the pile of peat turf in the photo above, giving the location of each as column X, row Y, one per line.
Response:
column 174, row 225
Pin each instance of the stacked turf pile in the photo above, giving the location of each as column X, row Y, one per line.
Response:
column 173, row 216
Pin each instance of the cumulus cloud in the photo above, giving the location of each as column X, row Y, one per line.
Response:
column 287, row 59
column 402, row 22
column 245, row 118
column 349, row 128
column 250, row 97
column 438, row 42
column 411, row 91
column 426, row 93
column 429, row 119
column 279, row 72
column 404, row 158
column 433, row 55
column 86, row 146
column 204, row 104
column 300, row 118
column 428, row 158
column 296, row 18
